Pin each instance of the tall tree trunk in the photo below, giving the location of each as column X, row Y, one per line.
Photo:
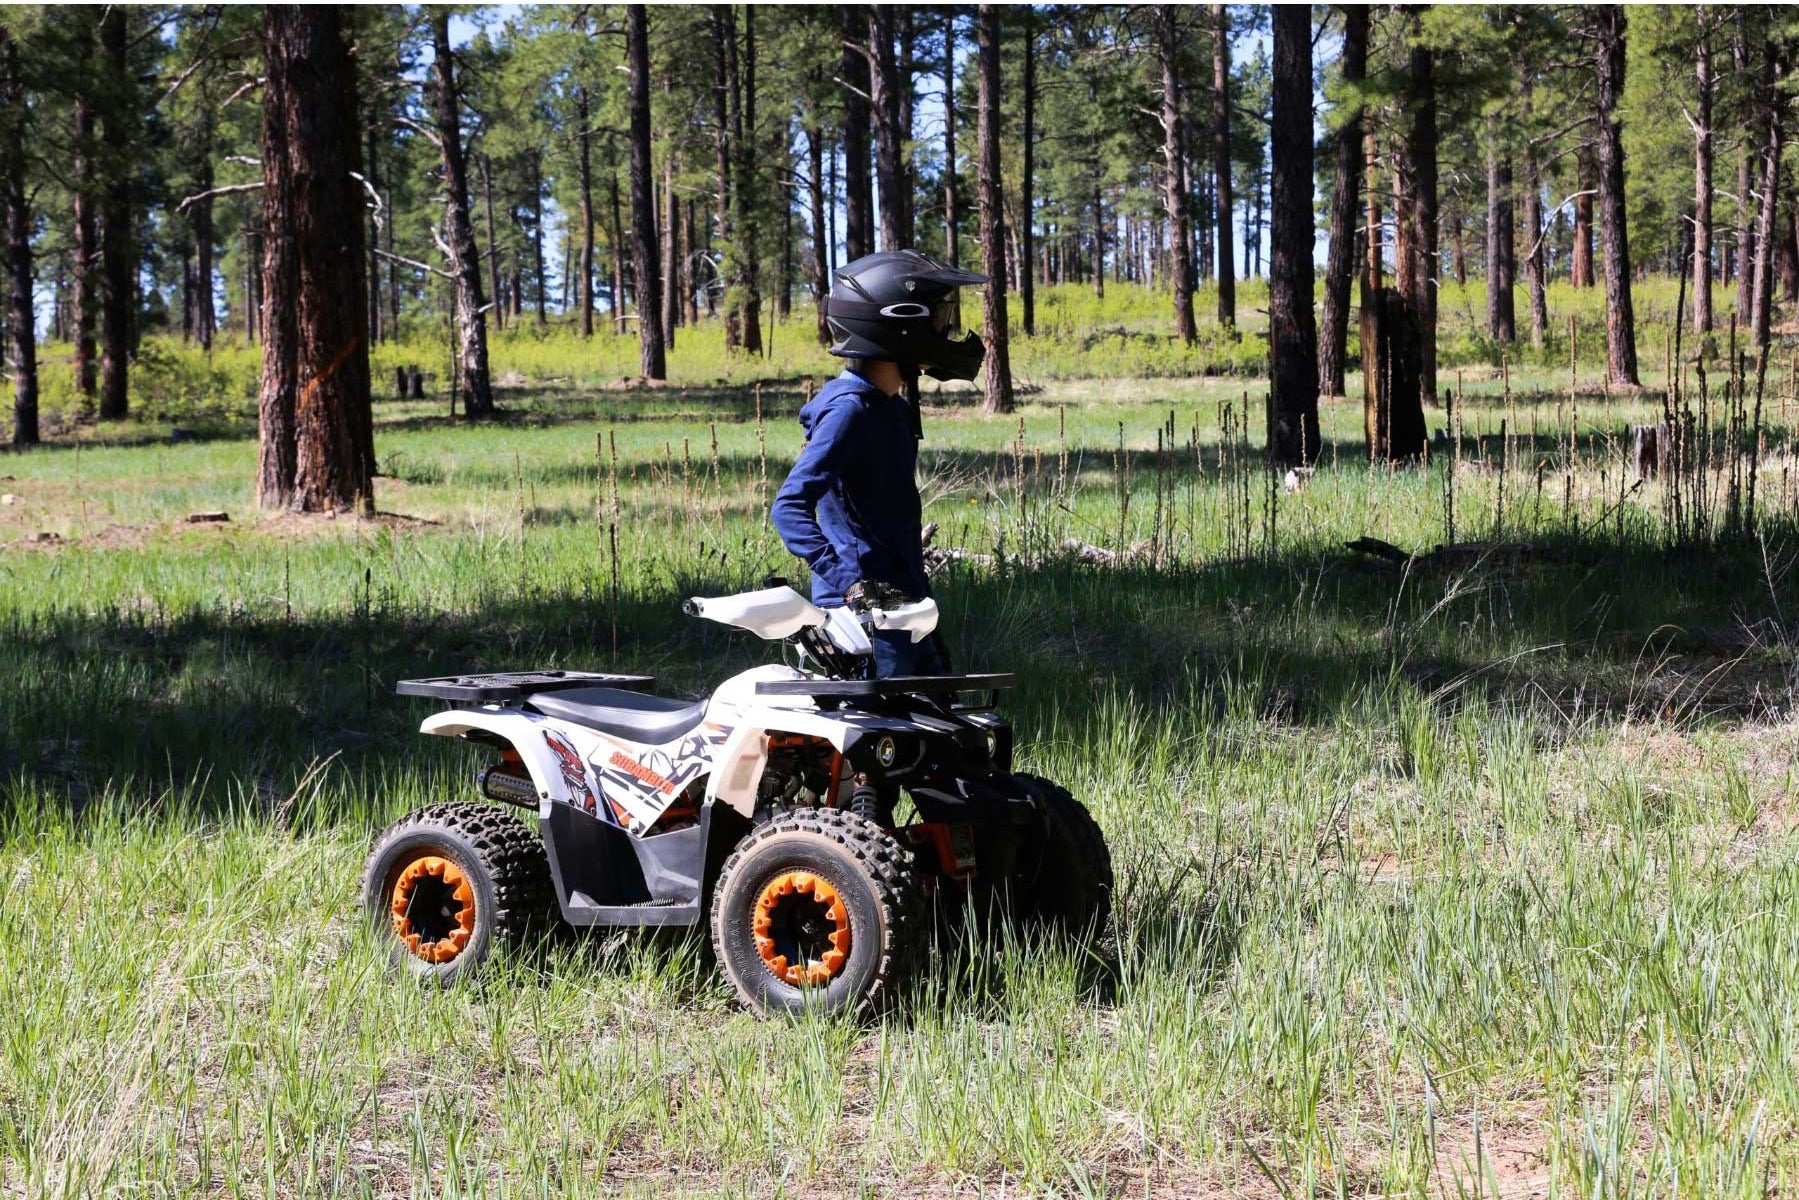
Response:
column 993, row 246
column 117, row 261
column 671, row 251
column 315, row 358
column 1421, row 148
column 1373, row 248
column 1502, row 319
column 21, row 322
column 693, row 258
column 643, row 213
column 748, row 194
column 951, row 213
column 724, row 54
column 205, row 320
column 1620, row 320
column 890, row 171
column 815, row 197
column 372, row 282
column 1027, row 290
column 858, row 203
column 1533, row 248
column 1174, row 177
column 1292, row 337
column 584, row 176
column 1702, row 177
column 1346, row 187
column 617, row 246
column 493, row 244
column 1767, row 234
column 1099, row 244
column 86, row 234
column 459, row 230
column 537, row 227
column 1745, row 251
column 1221, row 163
column 1580, row 261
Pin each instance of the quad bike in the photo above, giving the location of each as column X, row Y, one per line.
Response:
column 815, row 816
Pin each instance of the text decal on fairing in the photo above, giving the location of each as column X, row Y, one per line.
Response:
column 638, row 771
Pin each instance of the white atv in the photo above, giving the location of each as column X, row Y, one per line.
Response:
column 813, row 813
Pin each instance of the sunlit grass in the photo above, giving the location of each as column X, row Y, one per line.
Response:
column 1477, row 871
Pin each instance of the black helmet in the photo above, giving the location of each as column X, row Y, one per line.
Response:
column 900, row 305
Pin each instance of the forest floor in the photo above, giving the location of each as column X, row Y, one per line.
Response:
column 1468, row 876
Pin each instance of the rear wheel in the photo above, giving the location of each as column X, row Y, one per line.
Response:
column 445, row 884
column 817, row 908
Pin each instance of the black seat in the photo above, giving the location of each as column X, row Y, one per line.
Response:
column 651, row 720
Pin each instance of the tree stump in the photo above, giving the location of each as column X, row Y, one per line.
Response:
column 1648, row 444
column 1392, row 378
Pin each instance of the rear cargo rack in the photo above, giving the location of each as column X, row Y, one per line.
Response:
column 498, row 686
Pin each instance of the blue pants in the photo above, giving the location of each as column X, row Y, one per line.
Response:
column 897, row 654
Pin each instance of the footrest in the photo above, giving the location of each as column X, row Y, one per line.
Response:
column 499, row 686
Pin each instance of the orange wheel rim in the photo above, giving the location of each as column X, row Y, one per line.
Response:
column 802, row 929
column 433, row 908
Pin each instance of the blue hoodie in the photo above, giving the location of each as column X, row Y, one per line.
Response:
column 850, row 505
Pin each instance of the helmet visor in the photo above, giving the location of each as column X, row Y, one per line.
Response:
column 946, row 318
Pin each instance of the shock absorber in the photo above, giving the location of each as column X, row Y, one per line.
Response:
column 867, row 801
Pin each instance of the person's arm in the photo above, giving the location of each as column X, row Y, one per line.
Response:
column 795, row 510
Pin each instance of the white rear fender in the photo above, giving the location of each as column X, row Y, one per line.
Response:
column 557, row 771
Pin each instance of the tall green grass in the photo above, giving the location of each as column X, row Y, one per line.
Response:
column 1466, row 877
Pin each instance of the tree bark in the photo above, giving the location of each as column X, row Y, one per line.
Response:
column 1422, row 150
column 1702, row 177
column 315, row 355
column 952, row 235
column 890, row 168
column 584, row 176
column 815, row 196
column 86, row 234
column 1580, row 269
column 1745, row 249
column 671, row 252
column 459, row 230
column 643, row 214
column 1174, row 177
column 618, row 258
column 858, row 203
column 493, row 244
column 748, row 192
column 1027, row 288
column 200, row 216
column 1292, row 336
column 1346, row 187
column 116, row 256
column 1221, row 163
column 993, row 246
column 1767, row 235
column 21, row 322
column 1533, row 256
column 1502, row 319
column 1620, row 320
column 724, row 53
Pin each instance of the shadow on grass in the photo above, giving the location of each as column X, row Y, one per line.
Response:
column 220, row 706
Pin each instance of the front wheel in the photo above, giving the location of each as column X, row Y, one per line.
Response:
column 820, row 908
column 1063, row 878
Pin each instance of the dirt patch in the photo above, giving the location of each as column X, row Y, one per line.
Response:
column 301, row 525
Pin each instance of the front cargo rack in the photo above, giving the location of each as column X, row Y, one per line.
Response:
column 888, row 688
column 496, row 687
